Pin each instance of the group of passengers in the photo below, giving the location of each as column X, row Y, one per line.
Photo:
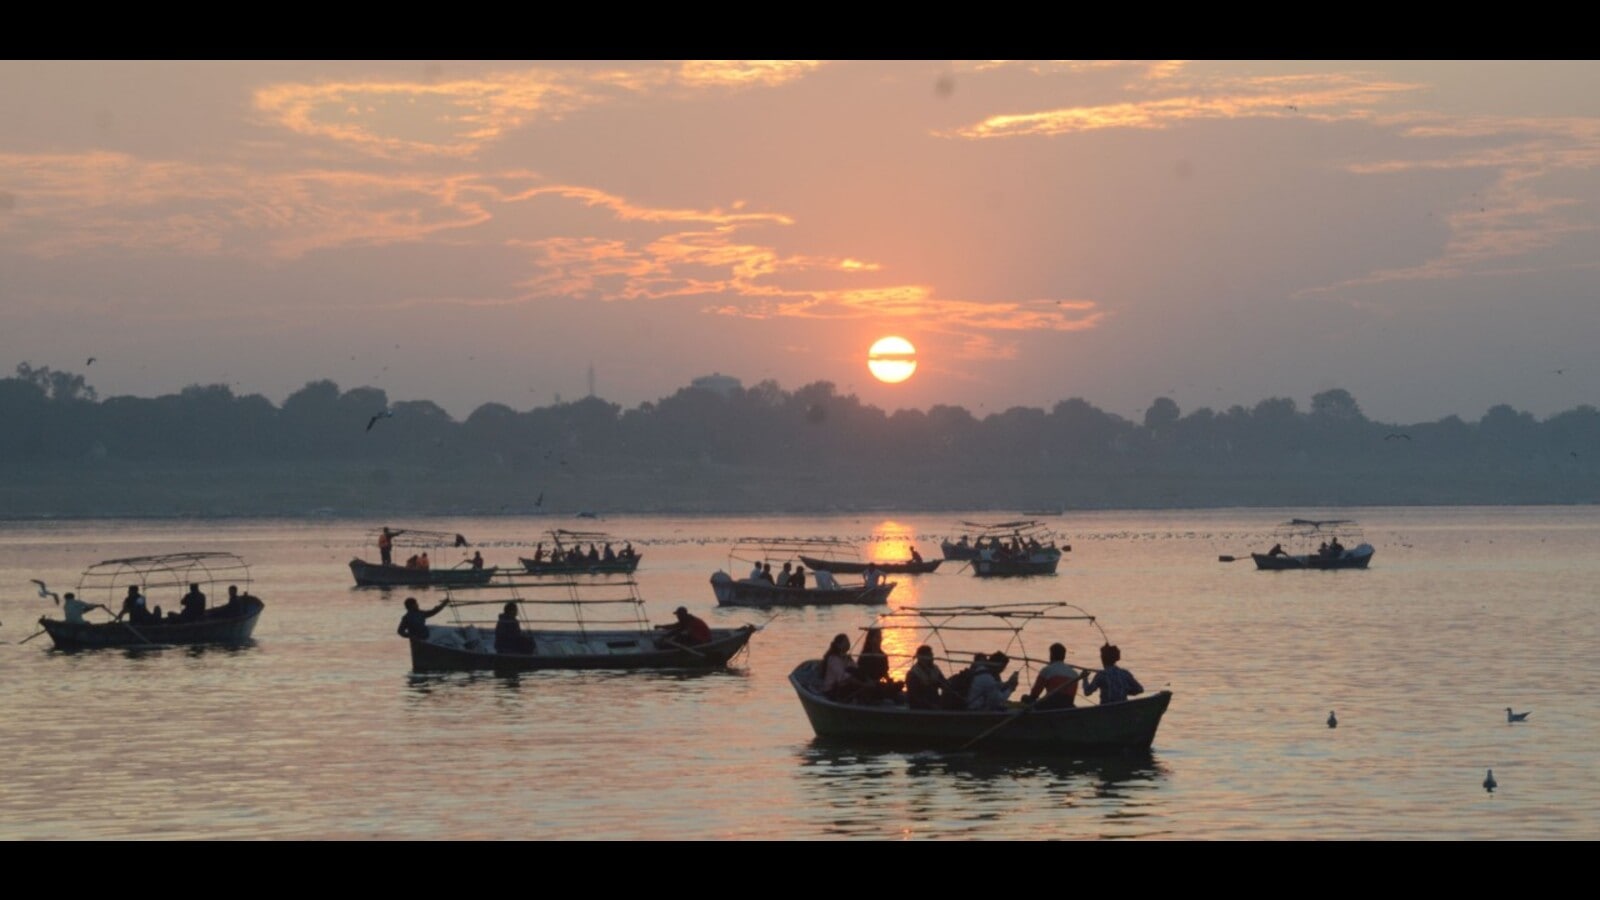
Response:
column 791, row 575
column 419, row 561
column 577, row 556
column 1331, row 549
column 136, row 609
column 979, row 687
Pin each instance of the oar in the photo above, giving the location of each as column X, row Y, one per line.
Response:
column 30, row 637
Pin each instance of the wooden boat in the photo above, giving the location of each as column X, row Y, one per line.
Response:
column 980, row 537
column 106, row 582
column 1108, row 728
column 571, row 625
column 378, row 575
column 1323, row 545
column 840, row 567
column 1041, row 561
column 563, row 562
column 1128, row 726
column 821, row 589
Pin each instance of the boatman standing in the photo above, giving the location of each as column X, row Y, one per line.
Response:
column 414, row 624
column 386, row 546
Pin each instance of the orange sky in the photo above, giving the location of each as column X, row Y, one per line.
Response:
column 1417, row 233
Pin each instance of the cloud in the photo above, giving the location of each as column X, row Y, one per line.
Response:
column 745, row 72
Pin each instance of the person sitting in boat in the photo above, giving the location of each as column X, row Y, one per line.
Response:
column 1277, row 550
column 235, row 604
column 915, row 556
column 955, row 691
column 627, row 550
column 872, row 670
column 782, row 578
column 422, row 562
column 1114, row 683
column 1322, row 549
column 797, row 578
column 414, row 624
column 825, row 580
column 871, row 576
column 73, row 609
column 508, row 634
column 413, row 561
column 924, row 681
column 690, row 630
column 838, row 671
column 1056, row 685
column 137, row 609
column 477, row 559
column 594, row 554
column 766, row 573
column 608, row 554
column 1335, row 549
column 755, row 573
column 988, row 692
column 192, row 608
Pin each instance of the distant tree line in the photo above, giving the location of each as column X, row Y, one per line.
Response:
column 763, row 447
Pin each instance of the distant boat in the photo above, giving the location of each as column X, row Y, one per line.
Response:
column 378, row 575
column 1316, row 544
column 106, row 582
column 567, row 559
column 821, row 589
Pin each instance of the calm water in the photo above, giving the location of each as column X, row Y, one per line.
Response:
column 319, row 730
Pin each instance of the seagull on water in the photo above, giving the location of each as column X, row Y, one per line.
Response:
column 1333, row 721
column 386, row 414
column 1489, row 784
column 46, row 592
column 1516, row 716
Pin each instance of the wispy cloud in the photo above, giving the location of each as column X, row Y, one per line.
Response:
column 746, row 72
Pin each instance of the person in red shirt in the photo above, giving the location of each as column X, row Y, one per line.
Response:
column 689, row 629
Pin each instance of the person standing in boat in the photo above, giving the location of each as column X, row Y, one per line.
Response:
column 508, row 634
column 924, row 681
column 386, row 546
column 1057, row 683
column 414, row 624
column 690, row 630
column 1114, row 683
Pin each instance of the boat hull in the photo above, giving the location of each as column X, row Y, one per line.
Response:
column 378, row 575
column 1357, row 558
column 220, row 626
column 1111, row 728
column 856, row 568
column 545, row 567
column 1038, row 564
column 762, row 594
column 452, row 649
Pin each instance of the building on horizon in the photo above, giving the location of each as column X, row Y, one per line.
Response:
column 718, row 383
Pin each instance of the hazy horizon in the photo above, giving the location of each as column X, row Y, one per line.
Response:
column 1418, row 233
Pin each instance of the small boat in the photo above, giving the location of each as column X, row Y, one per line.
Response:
column 840, row 567
column 105, row 583
column 567, row 559
column 566, row 625
column 821, row 588
column 378, row 575
column 981, row 540
column 1325, row 544
column 1124, row 727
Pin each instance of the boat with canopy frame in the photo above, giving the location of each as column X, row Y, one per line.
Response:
column 1121, row 727
column 105, row 585
column 567, row 624
column 566, row 558
column 378, row 574
column 1321, row 544
column 821, row 587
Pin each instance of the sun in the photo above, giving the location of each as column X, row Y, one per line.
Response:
column 892, row 360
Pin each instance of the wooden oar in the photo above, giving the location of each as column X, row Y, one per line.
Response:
column 30, row 637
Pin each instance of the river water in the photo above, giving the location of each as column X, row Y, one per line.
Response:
column 318, row 730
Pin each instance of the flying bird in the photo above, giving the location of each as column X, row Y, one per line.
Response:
column 1332, row 721
column 1489, row 784
column 386, row 414
column 1516, row 716
column 91, row 360
column 540, row 500
column 46, row 592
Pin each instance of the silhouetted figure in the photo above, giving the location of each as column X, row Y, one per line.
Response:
column 414, row 624
column 1056, row 685
column 1114, row 684
column 924, row 681
column 477, row 560
column 386, row 546
column 690, row 630
column 508, row 634
column 988, row 692
column 192, row 608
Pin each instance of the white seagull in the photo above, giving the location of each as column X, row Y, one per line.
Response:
column 1516, row 716
column 46, row 592
column 1489, row 784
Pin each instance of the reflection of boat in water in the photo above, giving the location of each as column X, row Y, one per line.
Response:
column 1317, row 544
column 565, row 625
column 1127, row 726
column 567, row 558
column 821, row 588
column 104, row 584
